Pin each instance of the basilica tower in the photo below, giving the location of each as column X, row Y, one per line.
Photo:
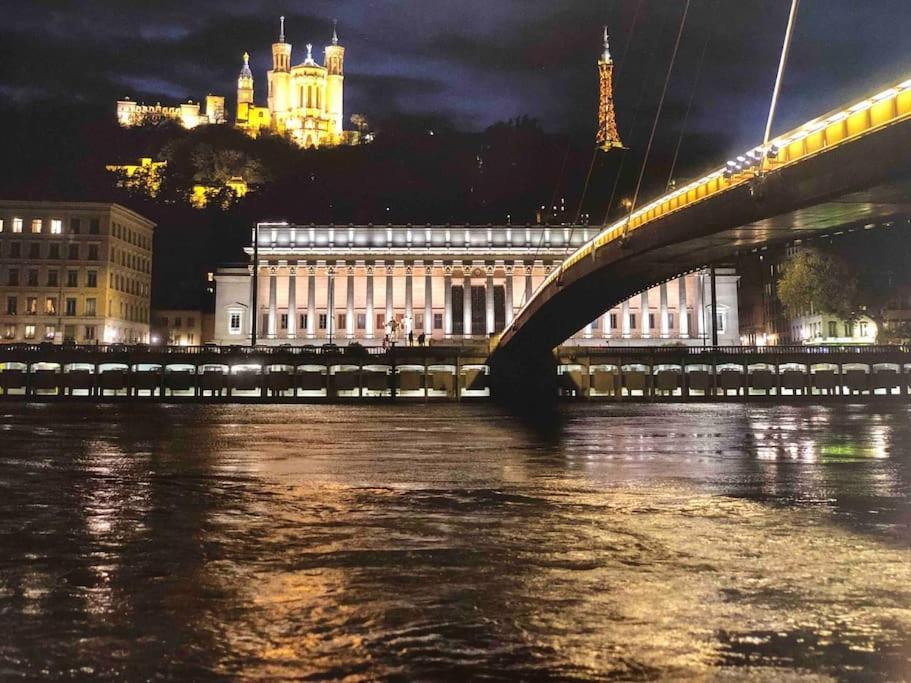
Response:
column 335, row 70
column 280, row 77
column 244, row 90
column 608, row 135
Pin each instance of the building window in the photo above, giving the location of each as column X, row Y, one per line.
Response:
column 90, row 333
column 178, row 321
column 613, row 321
column 15, row 250
column 191, row 321
column 50, row 305
column 36, row 226
column 12, row 305
column 91, row 307
column 17, row 225
column 833, row 328
column 34, row 250
column 342, row 321
column 56, row 226
column 75, row 226
column 380, row 321
column 322, row 321
column 73, row 252
column 847, row 329
column 721, row 318
column 91, row 278
column 69, row 333
column 361, row 321
column 53, row 278
column 53, row 251
column 438, row 321
column 94, row 226
column 651, row 321
column 93, row 252
column 303, row 321
column 282, row 322
column 1, row 225
column 72, row 278
column 33, row 277
column 234, row 322
column 9, row 332
column 50, row 331
column 70, row 306
column 632, row 321
column 670, row 321
column 29, row 332
column 863, row 328
column 12, row 277
column 31, row 305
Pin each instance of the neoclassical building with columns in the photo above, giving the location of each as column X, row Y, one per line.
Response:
column 333, row 283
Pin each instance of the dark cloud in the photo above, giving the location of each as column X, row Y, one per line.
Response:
column 472, row 62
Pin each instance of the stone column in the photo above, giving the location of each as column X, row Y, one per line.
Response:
column 370, row 328
column 349, row 308
column 428, row 302
column 644, row 330
column 466, row 302
column 606, row 331
column 447, row 301
column 311, row 302
column 664, row 321
column 330, row 303
column 587, row 331
column 273, row 302
column 409, row 299
column 389, row 294
column 490, row 305
column 625, row 328
column 698, row 308
column 292, row 302
column 682, row 314
column 510, row 301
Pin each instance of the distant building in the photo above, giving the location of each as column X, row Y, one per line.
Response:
column 173, row 327
column 145, row 175
column 305, row 102
column 451, row 282
column 74, row 272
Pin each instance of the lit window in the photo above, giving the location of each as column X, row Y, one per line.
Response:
column 91, row 307
column 234, row 322
column 29, row 332
column 17, row 225
column 56, row 226
column 9, row 332
column 1, row 225
column 90, row 333
column 36, row 226
column 31, row 305
column 50, row 305
column 50, row 331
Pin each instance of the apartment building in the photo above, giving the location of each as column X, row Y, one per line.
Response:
column 75, row 272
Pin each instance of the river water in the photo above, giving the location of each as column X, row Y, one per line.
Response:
column 451, row 542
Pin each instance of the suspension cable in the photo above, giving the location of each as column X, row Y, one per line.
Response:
column 785, row 48
column 651, row 139
column 689, row 106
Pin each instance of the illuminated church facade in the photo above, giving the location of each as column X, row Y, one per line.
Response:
column 304, row 102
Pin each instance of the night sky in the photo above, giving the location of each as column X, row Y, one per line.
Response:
column 468, row 62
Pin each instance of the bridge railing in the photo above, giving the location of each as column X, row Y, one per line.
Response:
column 834, row 128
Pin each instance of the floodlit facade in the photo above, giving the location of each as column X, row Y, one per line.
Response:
column 76, row 272
column 327, row 283
column 173, row 327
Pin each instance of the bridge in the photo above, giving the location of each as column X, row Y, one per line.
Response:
column 849, row 168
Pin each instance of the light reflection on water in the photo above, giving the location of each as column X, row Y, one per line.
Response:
column 448, row 541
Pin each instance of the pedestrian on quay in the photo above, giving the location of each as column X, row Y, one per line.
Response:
column 410, row 337
column 421, row 339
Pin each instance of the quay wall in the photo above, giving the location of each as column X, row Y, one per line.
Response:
column 446, row 373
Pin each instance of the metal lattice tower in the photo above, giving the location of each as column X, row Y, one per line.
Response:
column 608, row 135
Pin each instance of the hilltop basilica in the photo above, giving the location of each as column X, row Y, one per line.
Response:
column 304, row 102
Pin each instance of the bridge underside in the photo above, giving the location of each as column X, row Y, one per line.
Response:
column 865, row 183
